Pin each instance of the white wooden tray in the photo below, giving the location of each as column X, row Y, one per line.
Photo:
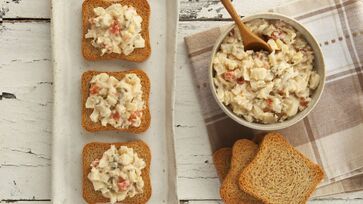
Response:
column 68, row 135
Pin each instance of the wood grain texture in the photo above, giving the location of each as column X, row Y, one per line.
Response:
column 213, row 9
column 25, row 122
column 15, row 9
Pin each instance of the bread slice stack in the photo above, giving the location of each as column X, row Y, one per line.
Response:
column 274, row 172
column 243, row 152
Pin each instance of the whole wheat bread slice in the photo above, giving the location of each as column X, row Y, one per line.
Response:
column 95, row 150
column 222, row 162
column 243, row 152
column 89, row 125
column 279, row 173
column 139, row 54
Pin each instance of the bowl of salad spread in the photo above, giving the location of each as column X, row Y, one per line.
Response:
column 267, row 91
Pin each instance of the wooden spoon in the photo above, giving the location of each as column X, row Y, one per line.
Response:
column 250, row 40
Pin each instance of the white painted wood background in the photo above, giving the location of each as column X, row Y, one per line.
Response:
column 25, row 121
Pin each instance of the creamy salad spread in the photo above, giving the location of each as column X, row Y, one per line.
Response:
column 118, row 173
column 263, row 87
column 114, row 102
column 116, row 29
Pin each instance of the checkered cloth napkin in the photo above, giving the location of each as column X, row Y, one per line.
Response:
column 332, row 134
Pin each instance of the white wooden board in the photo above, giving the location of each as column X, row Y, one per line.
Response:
column 68, row 135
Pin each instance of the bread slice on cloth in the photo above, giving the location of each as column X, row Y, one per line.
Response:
column 95, row 150
column 279, row 173
column 243, row 152
column 91, row 126
column 91, row 53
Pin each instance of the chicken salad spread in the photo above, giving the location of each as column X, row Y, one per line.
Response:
column 117, row 175
column 116, row 29
column 116, row 102
column 265, row 87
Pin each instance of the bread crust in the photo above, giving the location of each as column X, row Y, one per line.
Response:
column 246, row 184
column 90, row 126
column 222, row 162
column 95, row 150
column 138, row 55
column 243, row 152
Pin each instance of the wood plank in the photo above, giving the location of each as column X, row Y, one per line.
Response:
column 25, row 121
column 213, row 9
column 25, row 9
column 192, row 144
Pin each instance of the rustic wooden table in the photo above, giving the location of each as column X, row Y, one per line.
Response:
column 26, row 103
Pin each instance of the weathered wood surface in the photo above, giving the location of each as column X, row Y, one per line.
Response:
column 18, row 9
column 25, row 119
column 26, row 104
column 213, row 9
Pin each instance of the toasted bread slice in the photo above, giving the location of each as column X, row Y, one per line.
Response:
column 222, row 162
column 279, row 173
column 89, row 125
column 91, row 53
column 243, row 152
column 95, row 150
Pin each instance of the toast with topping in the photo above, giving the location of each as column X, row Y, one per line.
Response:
column 91, row 126
column 95, row 150
column 279, row 173
column 243, row 152
column 92, row 53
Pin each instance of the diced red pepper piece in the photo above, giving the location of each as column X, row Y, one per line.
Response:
column 123, row 184
column 116, row 116
column 94, row 89
column 229, row 76
column 134, row 115
column 115, row 28
column 269, row 101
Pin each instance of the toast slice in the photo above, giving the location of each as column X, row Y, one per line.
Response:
column 279, row 173
column 222, row 162
column 95, row 150
column 243, row 152
column 91, row 53
column 89, row 125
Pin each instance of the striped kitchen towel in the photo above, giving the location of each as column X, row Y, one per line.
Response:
column 332, row 134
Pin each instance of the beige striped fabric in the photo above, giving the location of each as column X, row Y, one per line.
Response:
column 332, row 135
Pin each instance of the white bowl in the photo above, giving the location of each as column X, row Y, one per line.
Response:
column 319, row 66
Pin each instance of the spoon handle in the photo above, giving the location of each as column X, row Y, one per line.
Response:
column 237, row 19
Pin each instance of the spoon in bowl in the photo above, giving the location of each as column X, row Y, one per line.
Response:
column 250, row 40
